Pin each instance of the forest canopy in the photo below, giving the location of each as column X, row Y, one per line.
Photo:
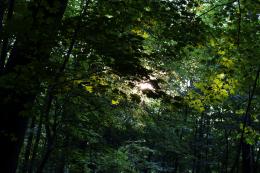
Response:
column 129, row 86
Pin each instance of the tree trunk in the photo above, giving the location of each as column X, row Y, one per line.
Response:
column 60, row 165
column 256, row 163
column 13, row 127
column 194, row 162
column 29, row 146
column 200, row 142
column 207, row 124
column 2, row 10
column 4, row 49
column 227, row 151
column 47, row 153
column 36, row 144
column 20, row 86
column 247, row 166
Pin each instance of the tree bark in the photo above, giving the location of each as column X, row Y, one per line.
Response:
column 4, row 49
column 256, row 163
column 29, row 146
column 2, row 10
column 194, row 162
column 22, row 88
column 227, row 151
column 36, row 144
column 247, row 166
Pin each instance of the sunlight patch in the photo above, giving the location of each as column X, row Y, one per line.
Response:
column 146, row 86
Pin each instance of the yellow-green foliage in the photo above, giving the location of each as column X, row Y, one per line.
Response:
column 215, row 90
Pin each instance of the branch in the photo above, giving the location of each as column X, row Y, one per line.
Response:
column 219, row 5
column 246, row 118
column 239, row 24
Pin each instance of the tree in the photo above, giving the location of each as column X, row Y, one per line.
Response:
column 129, row 86
column 30, row 51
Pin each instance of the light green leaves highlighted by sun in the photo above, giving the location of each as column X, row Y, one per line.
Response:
column 197, row 105
column 215, row 90
column 114, row 102
column 226, row 62
column 88, row 88
column 140, row 33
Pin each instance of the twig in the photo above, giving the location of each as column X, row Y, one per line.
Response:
column 219, row 5
column 239, row 24
column 246, row 118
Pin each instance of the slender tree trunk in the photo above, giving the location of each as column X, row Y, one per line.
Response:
column 176, row 165
column 48, row 151
column 207, row 168
column 246, row 121
column 2, row 11
column 36, row 145
column 60, row 166
column 194, row 162
column 4, row 49
column 256, row 164
column 247, row 166
column 247, row 159
column 29, row 146
column 50, row 136
column 227, row 151
column 199, row 162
